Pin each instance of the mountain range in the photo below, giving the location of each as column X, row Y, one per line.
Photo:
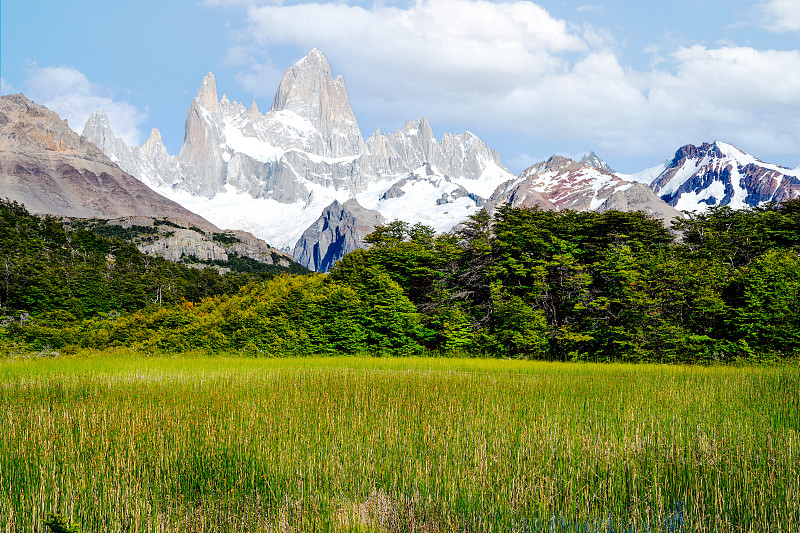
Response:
column 302, row 176
column 274, row 173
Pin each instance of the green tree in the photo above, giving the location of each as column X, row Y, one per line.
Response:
column 766, row 307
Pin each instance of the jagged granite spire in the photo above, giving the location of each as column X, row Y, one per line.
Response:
column 201, row 148
column 207, row 94
column 309, row 90
column 154, row 141
column 98, row 130
column 253, row 111
column 150, row 162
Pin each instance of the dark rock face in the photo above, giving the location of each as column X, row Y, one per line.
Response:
column 340, row 229
column 52, row 170
column 765, row 185
column 696, row 152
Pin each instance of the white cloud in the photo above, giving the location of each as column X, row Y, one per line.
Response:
column 782, row 15
column 69, row 93
column 741, row 95
column 5, row 87
column 511, row 66
column 441, row 45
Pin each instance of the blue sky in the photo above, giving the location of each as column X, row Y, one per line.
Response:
column 632, row 81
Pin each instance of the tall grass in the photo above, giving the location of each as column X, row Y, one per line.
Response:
column 163, row 445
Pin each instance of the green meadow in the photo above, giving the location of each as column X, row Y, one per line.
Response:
column 126, row 443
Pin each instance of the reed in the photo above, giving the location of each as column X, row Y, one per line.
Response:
column 133, row 444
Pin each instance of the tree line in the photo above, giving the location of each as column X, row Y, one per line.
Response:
column 723, row 285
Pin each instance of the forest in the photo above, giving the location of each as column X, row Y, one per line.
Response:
column 720, row 286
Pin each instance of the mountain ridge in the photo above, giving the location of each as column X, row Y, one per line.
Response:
column 562, row 183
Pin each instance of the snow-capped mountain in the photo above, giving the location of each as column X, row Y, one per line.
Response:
column 425, row 195
column 561, row 183
column 273, row 174
column 572, row 185
column 698, row 177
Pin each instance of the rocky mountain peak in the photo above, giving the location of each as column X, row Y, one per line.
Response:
column 720, row 174
column 340, row 229
column 207, row 94
column 154, row 141
column 253, row 111
column 419, row 127
column 24, row 123
column 315, row 57
column 691, row 151
column 730, row 150
column 98, row 130
column 561, row 183
column 308, row 89
column 98, row 120
column 556, row 163
column 591, row 160
column 420, row 133
column 309, row 77
column 200, row 148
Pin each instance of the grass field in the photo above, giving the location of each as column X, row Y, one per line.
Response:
column 199, row 444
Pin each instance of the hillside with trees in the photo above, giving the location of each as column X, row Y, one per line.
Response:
column 522, row 283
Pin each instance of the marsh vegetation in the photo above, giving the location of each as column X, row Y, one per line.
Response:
column 349, row 444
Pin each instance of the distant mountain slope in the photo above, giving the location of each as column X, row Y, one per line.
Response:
column 717, row 173
column 561, row 183
column 50, row 169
